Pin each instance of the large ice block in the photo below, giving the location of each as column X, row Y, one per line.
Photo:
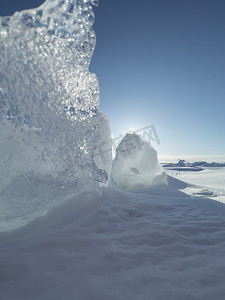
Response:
column 50, row 123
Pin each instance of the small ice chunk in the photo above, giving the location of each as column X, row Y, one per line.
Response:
column 136, row 164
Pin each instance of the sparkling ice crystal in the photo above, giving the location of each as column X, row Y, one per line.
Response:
column 50, row 122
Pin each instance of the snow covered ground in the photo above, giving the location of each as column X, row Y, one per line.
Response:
column 209, row 182
column 155, row 243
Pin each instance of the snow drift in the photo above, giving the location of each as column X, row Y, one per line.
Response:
column 158, row 243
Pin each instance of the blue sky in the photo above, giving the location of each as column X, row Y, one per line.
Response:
column 162, row 63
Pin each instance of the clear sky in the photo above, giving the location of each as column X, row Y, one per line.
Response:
column 161, row 62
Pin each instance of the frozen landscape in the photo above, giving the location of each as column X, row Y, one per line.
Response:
column 75, row 224
column 155, row 243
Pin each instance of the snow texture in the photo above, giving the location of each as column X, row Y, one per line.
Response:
column 209, row 182
column 50, row 123
column 158, row 243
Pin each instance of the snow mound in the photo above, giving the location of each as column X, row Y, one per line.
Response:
column 158, row 243
column 50, row 123
column 136, row 164
column 205, row 192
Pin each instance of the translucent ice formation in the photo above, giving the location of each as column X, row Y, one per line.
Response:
column 136, row 164
column 50, row 123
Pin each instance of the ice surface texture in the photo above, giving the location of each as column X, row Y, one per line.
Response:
column 136, row 164
column 50, row 123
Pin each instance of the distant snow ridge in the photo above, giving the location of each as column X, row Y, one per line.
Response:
column 136, row 164
column 183, row 165
column 50, row 122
